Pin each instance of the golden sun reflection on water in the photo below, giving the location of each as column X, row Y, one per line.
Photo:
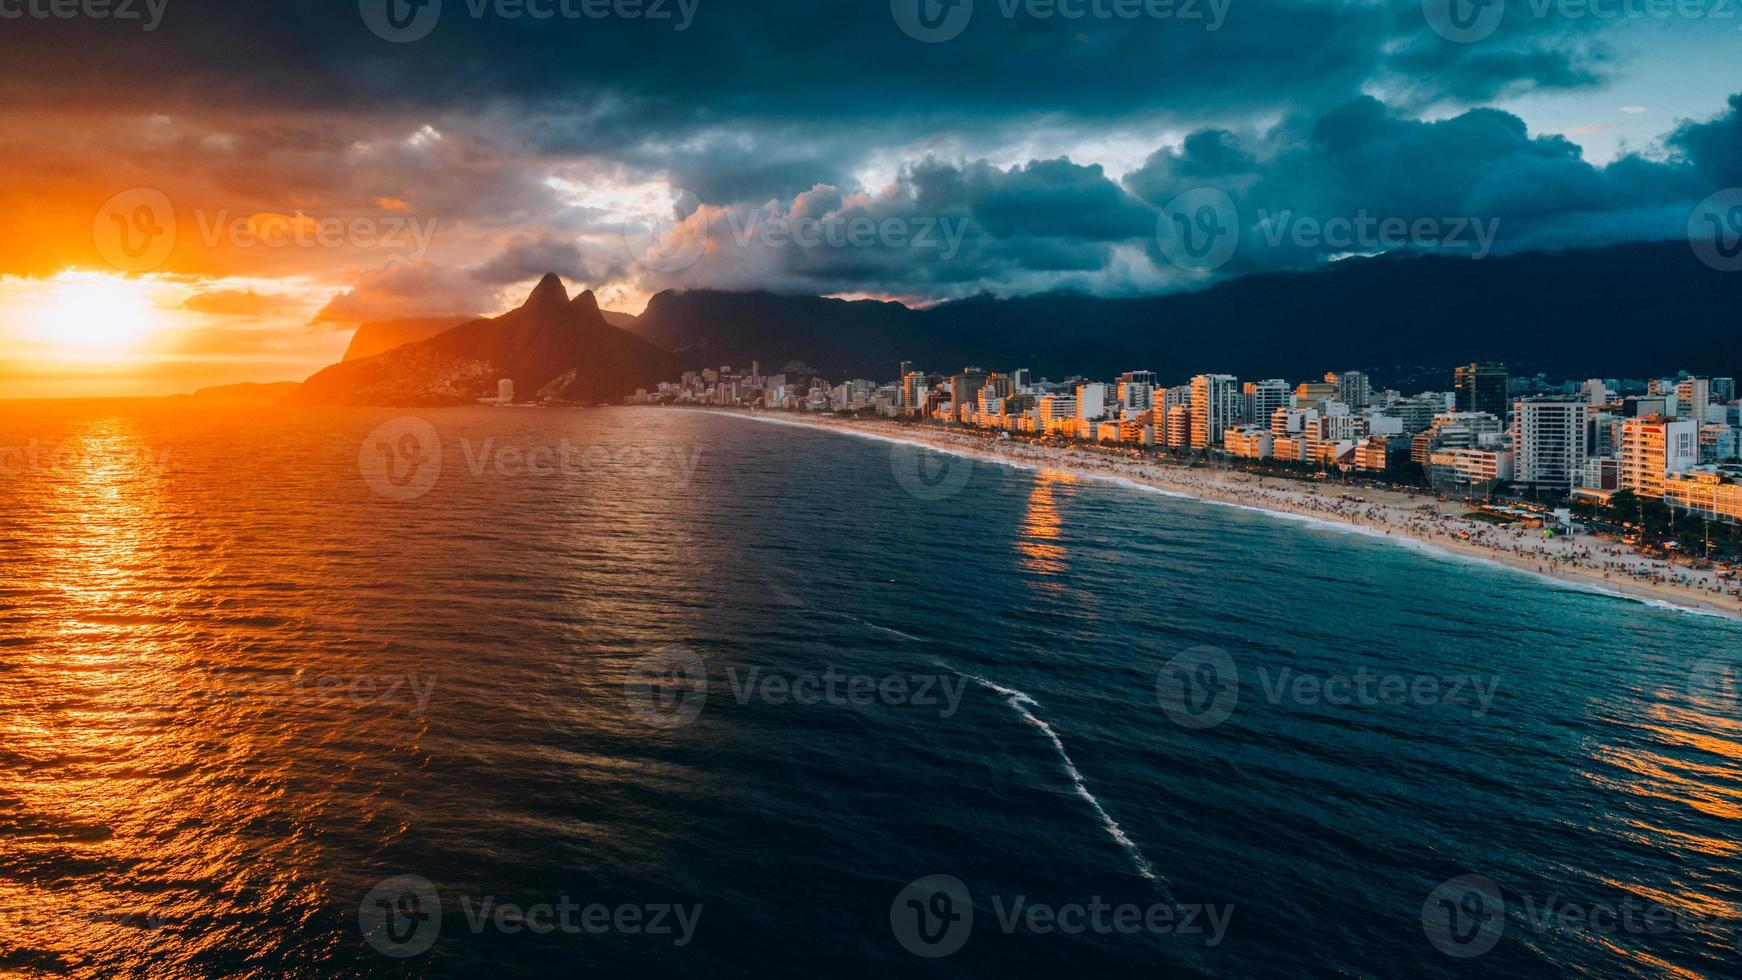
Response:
column 1042, row 527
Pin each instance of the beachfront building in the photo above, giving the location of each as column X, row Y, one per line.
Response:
column 1549, row 437
column 1470, row 471
column 1707, row 491
column 1216, row 405
column 1179, row 427
column 1056, row 412
column 1291, row 421
column 1248, row 442
column 1654, row 447
column 1380, row 453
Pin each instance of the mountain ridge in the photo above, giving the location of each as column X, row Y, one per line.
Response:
column 551, row 346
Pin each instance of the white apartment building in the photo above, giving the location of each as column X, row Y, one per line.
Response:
column 1549, row 439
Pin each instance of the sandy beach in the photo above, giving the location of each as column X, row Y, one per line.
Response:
column 1410, row 519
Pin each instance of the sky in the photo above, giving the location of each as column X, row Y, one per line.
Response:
column 208, row 191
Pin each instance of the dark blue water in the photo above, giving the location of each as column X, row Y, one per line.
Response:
column 249, row 684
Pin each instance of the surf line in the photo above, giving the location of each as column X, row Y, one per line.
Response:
column 1022, row 703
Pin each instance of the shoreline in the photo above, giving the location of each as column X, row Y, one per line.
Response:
column 1419, row 521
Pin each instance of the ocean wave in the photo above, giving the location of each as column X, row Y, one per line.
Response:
column 1022, row 702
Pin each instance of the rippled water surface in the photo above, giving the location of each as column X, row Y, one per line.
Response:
column 253, row 664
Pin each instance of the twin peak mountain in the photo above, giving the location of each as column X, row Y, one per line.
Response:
column 553, row 348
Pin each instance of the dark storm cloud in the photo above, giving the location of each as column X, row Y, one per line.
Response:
column 620, row 81
column 1480, row 166
column 516, row 135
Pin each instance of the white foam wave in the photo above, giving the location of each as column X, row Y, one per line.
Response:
column 1022, row 703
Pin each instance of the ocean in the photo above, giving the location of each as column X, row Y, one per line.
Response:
column 507, row 692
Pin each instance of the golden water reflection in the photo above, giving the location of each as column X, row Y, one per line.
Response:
column 1042, row 527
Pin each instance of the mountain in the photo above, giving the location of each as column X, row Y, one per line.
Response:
column 242, row 394
column 381, row 337
column 552, row 348
column 1630, row 310
column 622, row 321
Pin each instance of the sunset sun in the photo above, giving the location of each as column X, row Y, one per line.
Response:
column 92, row 313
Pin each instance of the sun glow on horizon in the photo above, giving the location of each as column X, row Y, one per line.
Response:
column 90, row 315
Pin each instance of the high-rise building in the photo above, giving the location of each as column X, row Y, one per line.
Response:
column 1723, row 390
column 1179, row 427
column 1176, row 396
column 912, row 390
column 1694, row 395
column 1263, row 398
column 1091, row 400
column 1549, row 438
column 1653, row 447
column 965, row 387
column 1482, row 388
column 1216, row 405
column 1354, row 390
column 1137, row 394
column 1595, row 392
